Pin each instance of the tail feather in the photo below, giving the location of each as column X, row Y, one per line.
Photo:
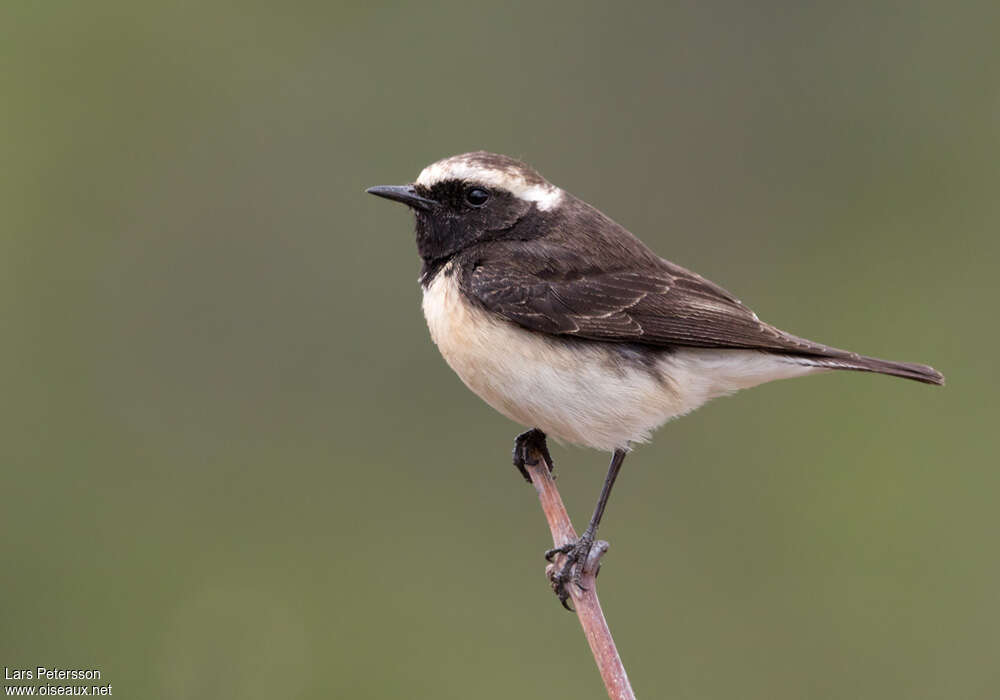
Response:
column 862, row 363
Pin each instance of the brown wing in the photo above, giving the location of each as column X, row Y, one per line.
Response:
column 659, row 304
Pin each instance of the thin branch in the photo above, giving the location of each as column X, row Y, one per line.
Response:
column 585, row 602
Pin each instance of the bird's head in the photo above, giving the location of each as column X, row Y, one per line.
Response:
column 473, row 197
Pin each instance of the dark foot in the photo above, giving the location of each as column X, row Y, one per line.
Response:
column 527, row 443
column 572, row 569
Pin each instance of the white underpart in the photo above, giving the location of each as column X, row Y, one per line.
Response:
column 582, row 393
column 545, row 196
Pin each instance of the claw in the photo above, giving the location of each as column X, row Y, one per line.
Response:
column 551, row 553
column 525, row 445
column 577, row 554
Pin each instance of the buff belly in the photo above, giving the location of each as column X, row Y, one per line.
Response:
column 586, row 393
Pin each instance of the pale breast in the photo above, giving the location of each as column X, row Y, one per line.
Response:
column 580, row 392
column 473, row 343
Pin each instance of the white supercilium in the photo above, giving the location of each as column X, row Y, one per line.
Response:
column 545, row 195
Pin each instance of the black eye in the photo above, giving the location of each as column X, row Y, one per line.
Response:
column 477, row 196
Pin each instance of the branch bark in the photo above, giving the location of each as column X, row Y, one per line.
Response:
column 585, row 602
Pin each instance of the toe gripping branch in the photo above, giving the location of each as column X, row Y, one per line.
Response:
column 580, row 560
column 573, row 561
column 528, row 447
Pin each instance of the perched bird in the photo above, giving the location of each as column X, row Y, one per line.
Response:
column 565, row 322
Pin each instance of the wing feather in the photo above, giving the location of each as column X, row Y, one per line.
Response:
column 657, row 304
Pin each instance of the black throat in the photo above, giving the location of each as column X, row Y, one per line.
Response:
column 532, row 224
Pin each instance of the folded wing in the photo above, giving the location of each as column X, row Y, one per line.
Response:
column 656, row 303
column 662, row 305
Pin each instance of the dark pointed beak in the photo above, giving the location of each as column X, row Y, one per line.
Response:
column 402, row 193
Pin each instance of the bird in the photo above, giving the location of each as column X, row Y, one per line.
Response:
column 565, row 322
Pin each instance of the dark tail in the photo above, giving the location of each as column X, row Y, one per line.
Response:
column 861, row 363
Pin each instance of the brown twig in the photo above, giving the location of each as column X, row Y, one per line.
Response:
column 585, row 602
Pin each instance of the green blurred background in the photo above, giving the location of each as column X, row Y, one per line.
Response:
column 234, row 466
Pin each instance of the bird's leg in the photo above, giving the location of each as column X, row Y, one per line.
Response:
column 524, row 445
column 577, row 552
